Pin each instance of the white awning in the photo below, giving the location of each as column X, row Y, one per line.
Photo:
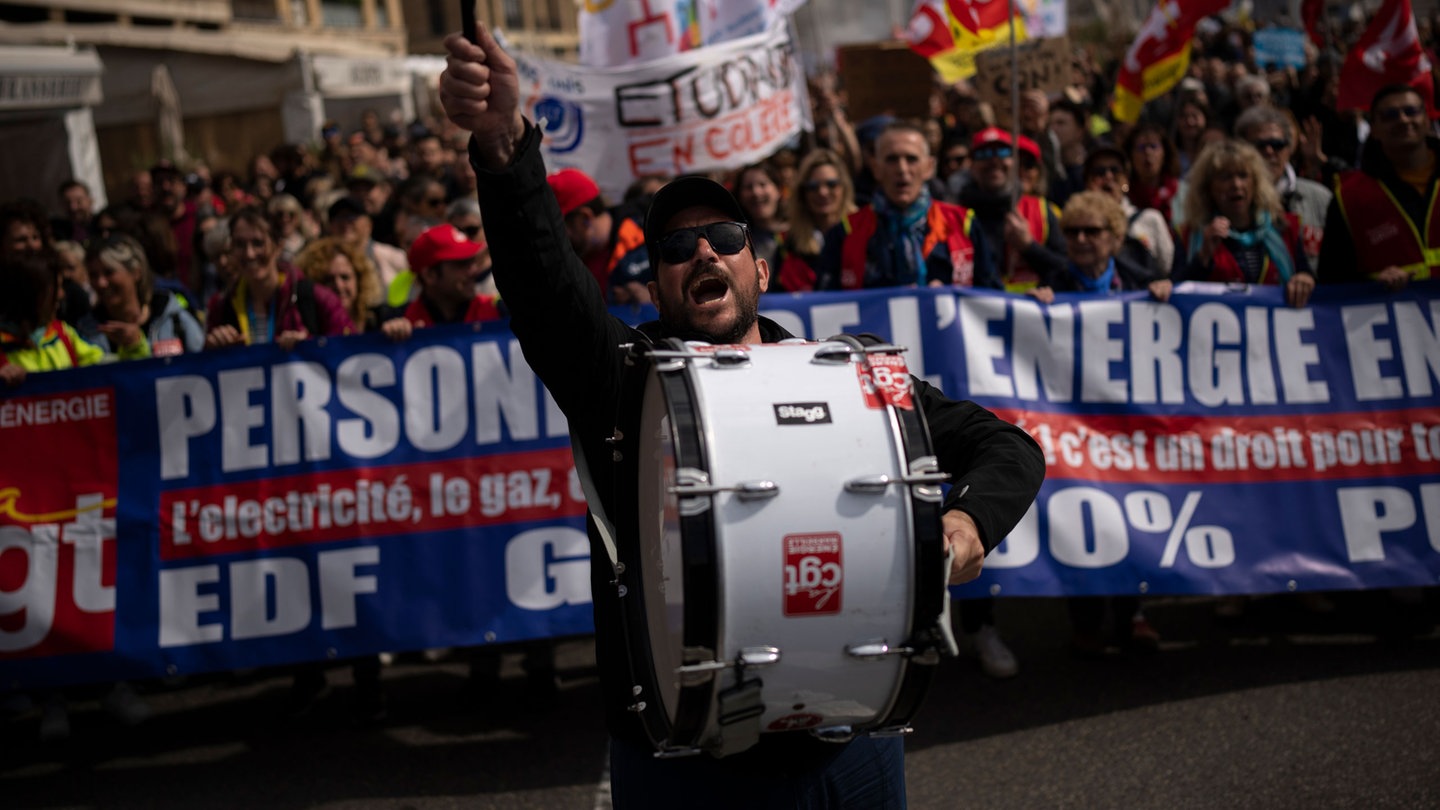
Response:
column 347, row 77
column 41, row 78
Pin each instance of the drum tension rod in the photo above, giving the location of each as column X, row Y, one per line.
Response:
column 839, row 353
column 700, row 671
column 690, row 482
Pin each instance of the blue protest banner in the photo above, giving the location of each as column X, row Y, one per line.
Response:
column 253, row 507
column 1280, row 47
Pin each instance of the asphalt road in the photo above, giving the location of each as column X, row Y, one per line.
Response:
column 1283, row 708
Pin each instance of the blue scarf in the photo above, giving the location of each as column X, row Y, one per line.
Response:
column 1260, row 234
column 904, row 260
column 1094, row 285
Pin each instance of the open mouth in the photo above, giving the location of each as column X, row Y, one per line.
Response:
column 708, row 290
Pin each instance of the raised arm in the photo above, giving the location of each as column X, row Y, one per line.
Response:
column 556, row 309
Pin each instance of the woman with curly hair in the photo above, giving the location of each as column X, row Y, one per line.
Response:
column 334, row 264
column 1236, row 229
column 823, row 196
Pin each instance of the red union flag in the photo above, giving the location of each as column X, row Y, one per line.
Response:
column 1389, row 52
column 1157, row 59
column 950, row 32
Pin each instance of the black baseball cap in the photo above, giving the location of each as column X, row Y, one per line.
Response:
column 692, row 191
column 346, row 206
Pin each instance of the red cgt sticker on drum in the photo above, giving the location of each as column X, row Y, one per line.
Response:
column 886, row 382
column 814, row 574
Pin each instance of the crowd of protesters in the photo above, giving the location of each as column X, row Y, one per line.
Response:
column 1230, row 177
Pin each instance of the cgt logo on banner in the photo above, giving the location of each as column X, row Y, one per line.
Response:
column 57, row 550
column 717, row 107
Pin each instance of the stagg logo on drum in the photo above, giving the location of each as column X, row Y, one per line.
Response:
column 802, row 413
column 814, row 574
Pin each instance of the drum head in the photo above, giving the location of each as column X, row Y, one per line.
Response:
column 661, row 573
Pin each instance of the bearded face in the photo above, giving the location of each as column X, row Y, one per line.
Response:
column 711, row 295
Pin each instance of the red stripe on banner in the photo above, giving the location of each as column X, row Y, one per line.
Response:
column 368, row 503
column 1234, row 449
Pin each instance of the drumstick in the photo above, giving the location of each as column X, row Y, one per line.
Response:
column 467, row 20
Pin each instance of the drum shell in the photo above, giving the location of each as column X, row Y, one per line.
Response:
column 809, row 428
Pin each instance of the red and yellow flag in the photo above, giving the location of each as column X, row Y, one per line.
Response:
column 950, row 32
column 1160, row 54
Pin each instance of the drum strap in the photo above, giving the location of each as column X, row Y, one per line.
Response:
column 592, row 500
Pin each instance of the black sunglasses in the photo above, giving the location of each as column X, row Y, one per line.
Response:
column 1090, row 231
column 471, row 231
column 1392, row 114
column 725, row 238
column 1103, row 169
column 1270, row 143
column 992, row 153
column 816, row 185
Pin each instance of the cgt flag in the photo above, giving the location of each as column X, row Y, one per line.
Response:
column 1157, row 59
column 1389, row 52
column 950, row 32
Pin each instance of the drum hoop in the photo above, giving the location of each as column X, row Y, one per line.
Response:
column 700, row 574
column 647, row 707
column 928, row 604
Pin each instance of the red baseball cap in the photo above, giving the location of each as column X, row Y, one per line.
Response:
column 573, row 188
column 998, row 135
column 442, row 243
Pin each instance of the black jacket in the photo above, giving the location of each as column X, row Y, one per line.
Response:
column 572, row 342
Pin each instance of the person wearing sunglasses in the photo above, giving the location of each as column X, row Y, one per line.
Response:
column 1149, row 241
column 1024, row 226
column 1383, row 224
column 707, row 283
column 823, row 195
column 609, row 241
column 1236, row 231
column 1273, row 134
column 904, row 237
column 1095, row 228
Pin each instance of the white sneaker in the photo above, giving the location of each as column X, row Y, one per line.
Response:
column 996, row 660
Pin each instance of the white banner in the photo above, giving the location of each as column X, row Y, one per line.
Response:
column 624, row 32
column 714, row 108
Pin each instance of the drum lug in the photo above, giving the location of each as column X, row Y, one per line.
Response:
column 876, row 650
column 730, row 358
column 759, row 656
column 834, row 734
column 893, row 731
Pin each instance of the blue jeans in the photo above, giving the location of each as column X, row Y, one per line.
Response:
column 866, row 774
